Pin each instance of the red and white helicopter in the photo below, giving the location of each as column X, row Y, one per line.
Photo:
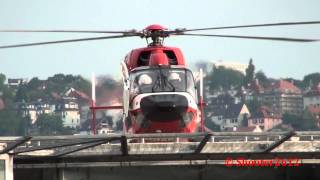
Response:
column 159, row 91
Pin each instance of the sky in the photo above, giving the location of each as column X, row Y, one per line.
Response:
column 276, row 59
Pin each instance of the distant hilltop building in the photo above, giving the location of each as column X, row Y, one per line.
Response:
column 232, row 65
column 14, row 83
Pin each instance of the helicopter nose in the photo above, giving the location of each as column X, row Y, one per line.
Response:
column 164, row 108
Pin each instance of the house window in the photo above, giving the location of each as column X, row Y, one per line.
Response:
column 261, row 120
column 234, row 120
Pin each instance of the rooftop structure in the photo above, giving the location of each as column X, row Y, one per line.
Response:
column 232, row 65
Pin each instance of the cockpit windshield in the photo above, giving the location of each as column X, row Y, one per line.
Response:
column 162, row 80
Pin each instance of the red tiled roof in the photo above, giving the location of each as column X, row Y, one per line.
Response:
column 266, row 112
column 78, row 94
column 285, row 87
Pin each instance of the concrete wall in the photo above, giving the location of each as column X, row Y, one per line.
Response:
column 170, row 173
column 8, row 167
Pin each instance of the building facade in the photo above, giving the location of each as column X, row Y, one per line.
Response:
column 232, row 65
column 34, row 109
column 233, row 116
column 69, row 111
column 312, row 97
column 284, row 97
column 265, row 118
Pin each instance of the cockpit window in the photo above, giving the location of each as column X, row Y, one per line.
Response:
column 162, row 80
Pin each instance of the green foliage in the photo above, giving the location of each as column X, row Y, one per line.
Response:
column 50, row 124
column 304, row 123
column 59, row 83
column 244, row 122
column 212, row 126
column 223, row 78
column 311, row 79
column 249, row 74
column 11, row 123
column 253, row 105
column 262, row 78
column 2, row 78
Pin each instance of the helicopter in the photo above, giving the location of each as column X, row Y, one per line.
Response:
column 160, row 94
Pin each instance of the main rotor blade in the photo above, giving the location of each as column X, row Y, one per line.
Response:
column 69, row 31
column 253, row 37
column 65, row 41
column 247, row 26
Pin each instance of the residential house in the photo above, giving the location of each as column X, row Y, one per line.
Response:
column 83, row 100
column 265, row 118
column 312, row 97
column 68, row 109
column 233, row 116
column 216, row 107
column 14, row 83
column 284, row 97
column 34, row 109
column 315, row 113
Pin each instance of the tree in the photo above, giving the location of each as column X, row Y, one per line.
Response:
column 311, row 79
column 253, row 105
column 223, row 78
column 212, row 126
column 249, row 74
column 308, row 121
column 11, row 124
column 244, row 122
column 262, row 78
column 2, row 79
column 49, row 124
column 303, row 123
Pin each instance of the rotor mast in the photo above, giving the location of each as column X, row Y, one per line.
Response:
column 157, row 33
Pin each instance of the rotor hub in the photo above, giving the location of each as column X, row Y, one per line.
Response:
column 157, row 33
